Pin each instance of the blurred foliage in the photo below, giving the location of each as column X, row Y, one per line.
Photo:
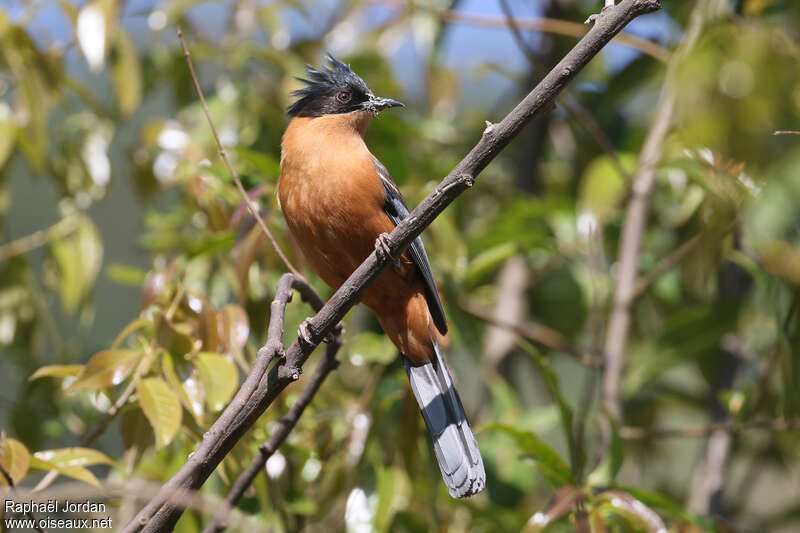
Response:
column 135, row 286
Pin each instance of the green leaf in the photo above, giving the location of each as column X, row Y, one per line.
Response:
column 603, row 187
column 373, row 347
column 606, row 471
column 234, row 328
column 161, row 407
column 186, row 385
column 56, row 371
column 132, row 327
column 126, row 72
column 78, row 257
column 126, row 274
column 576, row 456
column 75, row 456
column 15, row 458
column 489, row 260
column 8, row 138
column 219, row 378
column 137, row 436
column 106, row 369
column 76, row 472
column 667, row 506
column 550, row 464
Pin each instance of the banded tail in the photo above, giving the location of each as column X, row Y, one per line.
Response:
column 456, row 448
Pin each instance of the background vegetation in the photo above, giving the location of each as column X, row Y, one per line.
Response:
column 129, row 261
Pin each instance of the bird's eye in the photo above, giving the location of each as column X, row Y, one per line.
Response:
column 344, row 96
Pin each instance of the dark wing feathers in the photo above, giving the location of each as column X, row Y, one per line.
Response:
column 397, row 210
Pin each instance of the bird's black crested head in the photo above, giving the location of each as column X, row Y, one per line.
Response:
column 335, row 89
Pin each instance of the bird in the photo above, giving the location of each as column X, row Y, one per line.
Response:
column 340, row 202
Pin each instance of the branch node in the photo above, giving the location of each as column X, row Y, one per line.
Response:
column 289, row 373
column 489, row 128
column 467, row 180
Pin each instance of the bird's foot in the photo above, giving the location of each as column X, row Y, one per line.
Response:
column 593, row 18
column 304, row 332
column 384, row 250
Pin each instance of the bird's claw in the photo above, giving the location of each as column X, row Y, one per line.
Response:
column 593, row 18
column 382, row 246
column 384, row 250
column 304, row 332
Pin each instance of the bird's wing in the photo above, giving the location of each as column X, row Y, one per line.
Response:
column 396, row 208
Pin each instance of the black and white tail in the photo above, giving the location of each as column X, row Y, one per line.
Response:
column 455, row 446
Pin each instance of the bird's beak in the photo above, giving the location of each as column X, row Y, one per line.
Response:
column 377, row 104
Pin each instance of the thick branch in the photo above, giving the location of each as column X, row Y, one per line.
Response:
column 238, row 419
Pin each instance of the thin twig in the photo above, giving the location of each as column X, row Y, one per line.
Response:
column 548, row 25
column 224, row 154
column 11, row 489
column 778, row 424
column 532, row 331
column 161, row 514
column 38, row 238
column 572, row 105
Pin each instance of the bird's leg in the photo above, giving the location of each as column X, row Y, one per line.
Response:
column 383, row 249
column 607, row 4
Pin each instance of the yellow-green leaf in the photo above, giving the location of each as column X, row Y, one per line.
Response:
column 74, row 456
column 76, row 472
column 234, row 327
column 372, row 347
column 15, row 458
column 161, row 407
column 126, row 73
column 136, row 325
column 603, row 187
column 8, row 138
column 219, row 379
column 137, row 435
column 56, row 371
column 187, row 385
column 78, row 256
column 106, row 369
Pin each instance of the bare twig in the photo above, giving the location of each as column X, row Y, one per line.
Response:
column 11, row 489
column 160, row 514
column 668, row 262
column 778, row 424
column 224, row 154
column 25, row 244
column 786, row 132
column 532, row 331
column 548, row 25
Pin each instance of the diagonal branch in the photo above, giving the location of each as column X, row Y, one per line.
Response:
column 161, row 514
column 328, row 364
